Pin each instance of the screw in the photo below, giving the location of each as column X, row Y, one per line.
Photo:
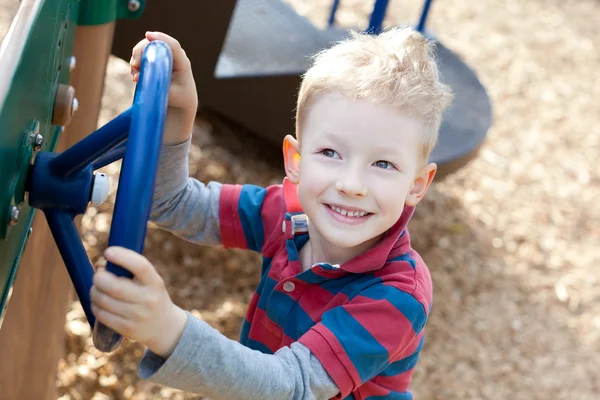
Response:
column 75, row 105
column 14, row 215
column 133, row 5
column 38, row 141
column 72, row 63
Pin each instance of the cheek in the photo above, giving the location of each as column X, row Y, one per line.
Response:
column 314, row 178
column 391, row 197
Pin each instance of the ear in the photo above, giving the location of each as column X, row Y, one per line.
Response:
column 291, row 158
column 421, row 184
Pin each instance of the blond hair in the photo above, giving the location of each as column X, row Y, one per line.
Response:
column 395, row 68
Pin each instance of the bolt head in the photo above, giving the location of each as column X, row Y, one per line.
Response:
column 134, row 5
column 14, row 215
column 72, row 63
column 38, row 142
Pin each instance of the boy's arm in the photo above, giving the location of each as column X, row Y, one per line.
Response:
column 184, row 205
column 206, row 362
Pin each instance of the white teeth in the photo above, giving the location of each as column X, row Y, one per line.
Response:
column 348, row 213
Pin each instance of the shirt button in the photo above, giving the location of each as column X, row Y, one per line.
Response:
column 289, row 286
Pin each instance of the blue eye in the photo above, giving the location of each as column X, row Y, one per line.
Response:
column 328, row 153
column 384, row 164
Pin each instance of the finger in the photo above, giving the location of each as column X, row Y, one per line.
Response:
column 180, row 60
column 100, row 263
column 135, row 263
column 136, row 53
column 115, row 322
column 120, row 288
column 106, row 302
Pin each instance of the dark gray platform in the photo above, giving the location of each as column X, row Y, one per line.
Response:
column 267, row 37
column 247, row 68
column 466, row 122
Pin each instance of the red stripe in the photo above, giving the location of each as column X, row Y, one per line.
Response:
column 371, row 389
column 287, row 341
column 272, row 213
column 278, row 264
column 290, row 191
column 394, row 336
column 252, row 307
column 232, row 233
column 265, row 331
column 316, row 301
column 398, row 383
column 325, row 346
column 398, row 274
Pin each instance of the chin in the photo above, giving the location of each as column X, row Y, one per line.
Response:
column 343, row 241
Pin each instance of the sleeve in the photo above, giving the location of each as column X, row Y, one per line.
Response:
column 206, row 362
column 183, row 205
column 357, row 341
column 250, row 216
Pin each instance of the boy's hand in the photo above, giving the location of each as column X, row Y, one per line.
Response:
column 138, row 308
column 183, row 98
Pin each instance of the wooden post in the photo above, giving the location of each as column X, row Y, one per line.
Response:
column 32, row 335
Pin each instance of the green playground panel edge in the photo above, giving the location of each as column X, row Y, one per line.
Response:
column 43, row 65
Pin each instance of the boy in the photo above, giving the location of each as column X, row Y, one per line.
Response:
column 343, row 298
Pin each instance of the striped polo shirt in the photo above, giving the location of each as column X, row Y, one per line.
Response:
column 363, row 319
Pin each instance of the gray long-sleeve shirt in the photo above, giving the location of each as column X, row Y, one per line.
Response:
column 204, row 361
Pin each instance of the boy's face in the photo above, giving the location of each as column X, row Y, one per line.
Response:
column 359, row 165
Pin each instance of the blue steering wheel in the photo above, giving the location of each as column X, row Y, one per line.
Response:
column 62, row 185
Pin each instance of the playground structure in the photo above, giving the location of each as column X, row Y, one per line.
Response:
column 243, row 72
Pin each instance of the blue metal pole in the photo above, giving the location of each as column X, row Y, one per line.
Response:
column 77, row 157
column 74, row 255
column 334, row 8
column 377, row 16
column 424, row 14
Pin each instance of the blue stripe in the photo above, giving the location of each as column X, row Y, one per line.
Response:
column 310, row 277
column 405, row 257
column 393, row 396
column 404, row 302
column 349, row 397
column 280, row 305
column 299, row 322
column 300, row 240
column 406, row 364
column 253, row 344
column 249, row 208
column 266, row 287
column 350, row 285
column 266, row 265
column 367, row 355
column 244, row 331
column 290, row 246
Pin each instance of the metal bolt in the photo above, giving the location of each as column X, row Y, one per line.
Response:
column 14, row 215
column 38, row 142
column 75, row 105
column 133, row 5
column 72, row 63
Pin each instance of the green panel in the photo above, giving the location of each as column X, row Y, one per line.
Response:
column 43, row 63
column 97, row 12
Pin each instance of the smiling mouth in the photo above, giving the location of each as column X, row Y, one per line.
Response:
column 348, row 213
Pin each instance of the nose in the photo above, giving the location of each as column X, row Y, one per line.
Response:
column 351, row 185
